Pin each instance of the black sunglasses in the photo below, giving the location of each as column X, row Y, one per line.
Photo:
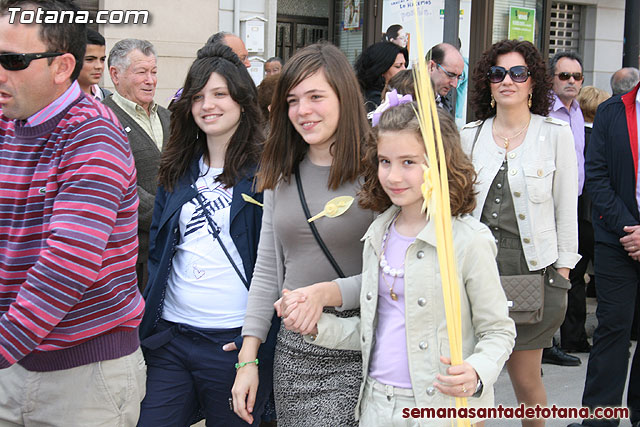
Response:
column 20, row 61
column 566, row 76
column 519, row 73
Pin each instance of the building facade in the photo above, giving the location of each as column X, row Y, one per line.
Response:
column 593, row 28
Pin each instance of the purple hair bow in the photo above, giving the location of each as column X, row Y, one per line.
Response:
column 392, row 99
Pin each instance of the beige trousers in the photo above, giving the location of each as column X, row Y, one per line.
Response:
column 382, row 405
column 104, row 394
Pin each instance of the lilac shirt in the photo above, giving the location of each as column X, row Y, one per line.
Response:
column 389, row 360
column 574, row 117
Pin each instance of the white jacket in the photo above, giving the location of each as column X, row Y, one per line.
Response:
column 543, row 177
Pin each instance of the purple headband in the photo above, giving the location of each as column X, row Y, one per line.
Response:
column 392, row 99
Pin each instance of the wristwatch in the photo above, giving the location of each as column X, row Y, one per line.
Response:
column 479, row 388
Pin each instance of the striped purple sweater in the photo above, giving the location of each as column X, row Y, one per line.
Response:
column 68, row 240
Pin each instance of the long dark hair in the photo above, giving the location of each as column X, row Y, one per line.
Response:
column 374, row 61
column 285, row 148
column 187, row 140
column 540, row 80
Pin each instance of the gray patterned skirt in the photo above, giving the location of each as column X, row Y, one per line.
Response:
column 315, row 386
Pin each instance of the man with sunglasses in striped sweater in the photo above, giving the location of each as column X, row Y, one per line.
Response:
column 69, row 302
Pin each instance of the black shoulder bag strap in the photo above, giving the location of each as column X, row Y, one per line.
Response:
column 314, row 230
column 216, row 236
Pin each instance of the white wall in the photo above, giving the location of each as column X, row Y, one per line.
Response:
column 602, row 37
column 267, row 9
column 231, row 13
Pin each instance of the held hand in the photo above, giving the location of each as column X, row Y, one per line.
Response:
column 302, row 315
column 288, row 302
column 631, row 242
column 244, row 392
column 461, row 381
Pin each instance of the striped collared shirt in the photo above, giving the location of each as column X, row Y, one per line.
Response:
column 56, row 107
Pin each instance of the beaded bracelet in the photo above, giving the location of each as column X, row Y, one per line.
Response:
column 240, row 365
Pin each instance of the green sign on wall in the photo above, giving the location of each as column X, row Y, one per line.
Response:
column 522, row 23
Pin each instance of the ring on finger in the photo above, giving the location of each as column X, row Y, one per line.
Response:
column 464, row 389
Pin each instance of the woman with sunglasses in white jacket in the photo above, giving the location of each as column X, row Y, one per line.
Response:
column 527, row 192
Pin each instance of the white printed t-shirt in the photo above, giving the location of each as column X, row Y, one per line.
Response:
column 203, row 289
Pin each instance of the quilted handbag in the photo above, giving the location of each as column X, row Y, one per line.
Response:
column 525, row 297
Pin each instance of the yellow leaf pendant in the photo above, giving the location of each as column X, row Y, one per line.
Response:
column 334, row 207
column 250, row 199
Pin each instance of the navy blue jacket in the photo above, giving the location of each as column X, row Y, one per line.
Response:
column 611, row 168
column 164, row 236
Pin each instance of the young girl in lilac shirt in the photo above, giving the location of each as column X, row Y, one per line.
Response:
column 402, row 330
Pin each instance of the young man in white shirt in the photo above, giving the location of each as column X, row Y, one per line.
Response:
column 93, row 66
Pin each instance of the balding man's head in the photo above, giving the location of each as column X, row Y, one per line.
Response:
column 623, row 80
column 446, row 66
column 234, row 42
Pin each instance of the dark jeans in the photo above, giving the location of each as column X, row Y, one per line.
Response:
column 189, row 372
column 618, row 277
column 572, row 332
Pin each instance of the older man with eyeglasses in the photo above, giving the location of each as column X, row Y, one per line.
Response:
column 446, row 66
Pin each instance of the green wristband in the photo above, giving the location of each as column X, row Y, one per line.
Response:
column 240, row 365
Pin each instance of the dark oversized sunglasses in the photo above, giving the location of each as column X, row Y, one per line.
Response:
column 519, row 73
column 566, row 76
column 20, row 61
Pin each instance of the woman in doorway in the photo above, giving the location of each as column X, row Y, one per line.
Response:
column 396, row 34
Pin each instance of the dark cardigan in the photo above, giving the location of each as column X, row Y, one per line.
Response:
column 147, row 157
column 246, row 221
column 611, row 168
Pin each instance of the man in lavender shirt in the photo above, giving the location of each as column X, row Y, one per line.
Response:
column 566, row 70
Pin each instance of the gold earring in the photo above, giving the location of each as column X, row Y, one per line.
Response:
column 530, row 97
column 493, row 102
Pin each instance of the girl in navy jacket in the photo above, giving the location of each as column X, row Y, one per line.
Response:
column 203, row 243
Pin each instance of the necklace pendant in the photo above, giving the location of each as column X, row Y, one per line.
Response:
column 506, row 143
column 393, row 295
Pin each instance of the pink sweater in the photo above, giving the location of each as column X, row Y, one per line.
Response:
column 68, row 240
